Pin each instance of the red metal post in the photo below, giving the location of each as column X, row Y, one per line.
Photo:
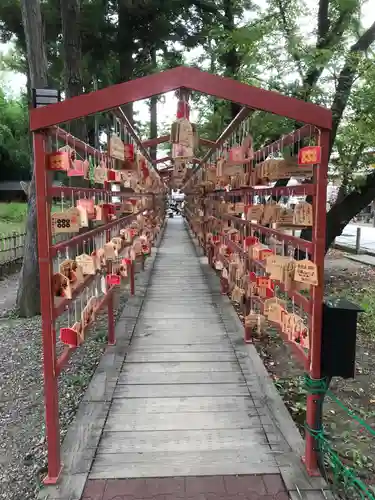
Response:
column 224, row 288
column 248, row 337
column 209, row 254
column 132, row 279
column 111, row 320
column 318, row 239
column 51, row 398
column 110, row 311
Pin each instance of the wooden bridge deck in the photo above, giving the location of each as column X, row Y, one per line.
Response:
column 182, row 398
column 182, row 405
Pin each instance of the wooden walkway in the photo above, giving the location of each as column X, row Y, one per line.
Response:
column 182, row 406
column 190, row 412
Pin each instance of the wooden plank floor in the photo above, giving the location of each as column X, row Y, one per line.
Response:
column 182, row 406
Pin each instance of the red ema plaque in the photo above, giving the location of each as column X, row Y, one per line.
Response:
column 68, row 336
column 113, row 279
column 59, row 161
column 310, row 155
column 251, row 240
column 264, row 282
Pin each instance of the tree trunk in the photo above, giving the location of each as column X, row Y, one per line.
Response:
column 125, row 43
column 231, row 58
column 153, row 110
column 153, row 125
column 73, row 82
column 70, row 11
column 96, row 120
column 343, row 189
column 28, row 295
column 343, row 212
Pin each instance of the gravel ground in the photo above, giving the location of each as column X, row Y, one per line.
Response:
column 22, row 444
column 8, row 293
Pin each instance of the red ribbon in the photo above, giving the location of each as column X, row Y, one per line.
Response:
column 183, row 110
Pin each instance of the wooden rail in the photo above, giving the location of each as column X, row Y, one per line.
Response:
column 11, row 247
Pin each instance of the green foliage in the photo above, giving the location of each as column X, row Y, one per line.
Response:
column 14, row 138
column 13, row 212
column 12, row 217
column 356, row 135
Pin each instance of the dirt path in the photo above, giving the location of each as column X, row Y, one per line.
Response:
column 8, row 293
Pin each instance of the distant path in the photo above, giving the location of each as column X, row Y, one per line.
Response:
column 348, row 236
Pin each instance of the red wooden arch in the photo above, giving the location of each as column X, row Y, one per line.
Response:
column 166, row 81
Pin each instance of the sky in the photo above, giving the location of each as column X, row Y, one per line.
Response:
column 167, row 110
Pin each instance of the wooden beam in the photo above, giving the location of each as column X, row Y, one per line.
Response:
column 206, row 142
column 159, row 83
column 154, row 142
column 165, row 138
column 169, row 158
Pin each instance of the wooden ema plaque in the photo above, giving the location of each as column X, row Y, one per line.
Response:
column 254, row 212
column 303, row 214
column 73, row 271
column 69, row 336
column 78, row 168
column 116, row 147
column 310, row 155
column 83, row 216
column 255, row 321
column 270, row 302
column 66, row 222
column 89, row 205
column 306, row 272
column 275, row 266
column 58, row 161
column 61, row 286
column 87, row 264
column 285, row 218
column 250, row 241
column 113, row 279
column 100, row 175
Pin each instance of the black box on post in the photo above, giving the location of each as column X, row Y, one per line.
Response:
column 339, row 335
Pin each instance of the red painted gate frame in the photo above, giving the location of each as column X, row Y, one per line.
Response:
column 223, row 88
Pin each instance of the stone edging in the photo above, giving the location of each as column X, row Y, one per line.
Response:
column 82, row 439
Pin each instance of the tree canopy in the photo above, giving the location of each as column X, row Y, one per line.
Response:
column 317, row 52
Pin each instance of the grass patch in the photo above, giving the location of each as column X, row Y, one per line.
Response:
column 12, row 217
column 7, row 228
column 13, row 212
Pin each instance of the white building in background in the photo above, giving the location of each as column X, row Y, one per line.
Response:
column 177, row 195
